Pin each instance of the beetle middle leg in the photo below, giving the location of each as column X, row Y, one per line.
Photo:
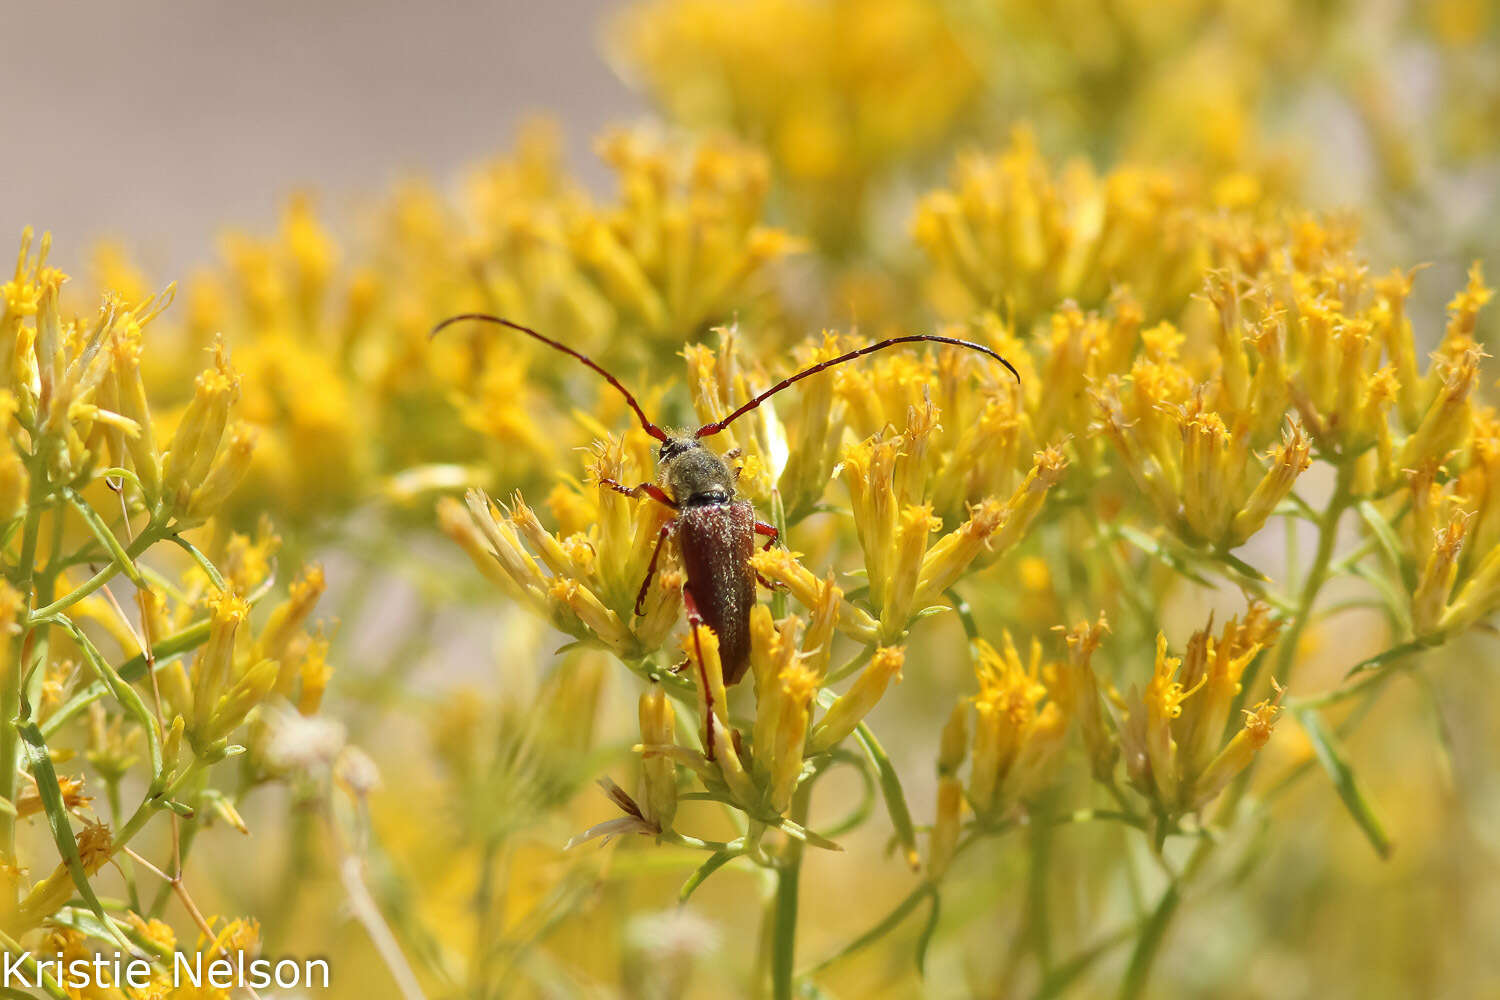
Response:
column 695, row 622
column 661, row 536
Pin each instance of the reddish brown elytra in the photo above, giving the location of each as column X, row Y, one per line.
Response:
column 715, row 532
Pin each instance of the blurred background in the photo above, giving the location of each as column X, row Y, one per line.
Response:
column 168, row 122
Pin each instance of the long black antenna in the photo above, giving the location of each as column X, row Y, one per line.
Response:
column 651, row 428
column 717, row 426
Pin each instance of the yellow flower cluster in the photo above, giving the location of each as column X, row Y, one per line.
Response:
column 585, row 579
column 102, row 483
column 1171, row 734
column 1312, row 359
column 1450, row 466
column 349, row 395
column 76, row 392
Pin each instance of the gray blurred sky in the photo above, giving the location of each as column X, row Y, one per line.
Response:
column 161, row 123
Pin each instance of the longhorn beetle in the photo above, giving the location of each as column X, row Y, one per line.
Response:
column 715, row 532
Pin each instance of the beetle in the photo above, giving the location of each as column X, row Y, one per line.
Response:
column 715, row 532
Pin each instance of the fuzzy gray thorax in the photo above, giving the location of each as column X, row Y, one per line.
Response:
column 695, row 475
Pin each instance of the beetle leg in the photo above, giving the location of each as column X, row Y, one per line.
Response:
column 695, row 621
column 661, row 536
column 643, row 490
column 769, row 530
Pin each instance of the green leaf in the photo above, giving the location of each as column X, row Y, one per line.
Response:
column 1063, row 976
column 131, row 670
column 866, row 805
column 1440, row 728
column 703, row 871
column 122, row 560
column 928, row 930
column 1345, row 782
column 887, row 924
column 202, row 560
column 39, row 760
column 1388, row 656
column 890, row 789
column 1157, row 551
column 1385, row 536
column 127, row 696
column 802, row 833
column 1153, row 932
column 1396, row 603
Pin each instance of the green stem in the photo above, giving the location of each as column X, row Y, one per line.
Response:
column 1148, row 944
column 778, row 521
column 784, row 903
column 1317, row 574
column 1038, row 924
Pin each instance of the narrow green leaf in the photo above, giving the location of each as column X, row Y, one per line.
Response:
column 802, row 833
column 1439, row 727
column 866, row 805
column 1387, row 656
column 1148, row 944
column 1155, row 550
column 96, row 524
column 928, row 930
column 131, row 670
column 890, row 789
column 703, row 871
column 202, row 560
column 1243, row 568
column 1064, row 975
column 886, row 924
column 1331, row 756
column 1390, row 545
column 1394, row 602
column 39, row 761
column 127, row 696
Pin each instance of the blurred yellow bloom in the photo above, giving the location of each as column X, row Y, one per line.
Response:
column 1013, row 238
column 840, row 93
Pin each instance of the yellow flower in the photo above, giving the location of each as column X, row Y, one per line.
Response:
column 1171, row 732
column 1082, row 687
column 1020, row 725
column 195, row 442
column 658, row 783
column 850, row 708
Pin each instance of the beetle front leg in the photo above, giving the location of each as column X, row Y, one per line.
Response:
column 661, row 536
column 636, row 492
column 772, row 535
